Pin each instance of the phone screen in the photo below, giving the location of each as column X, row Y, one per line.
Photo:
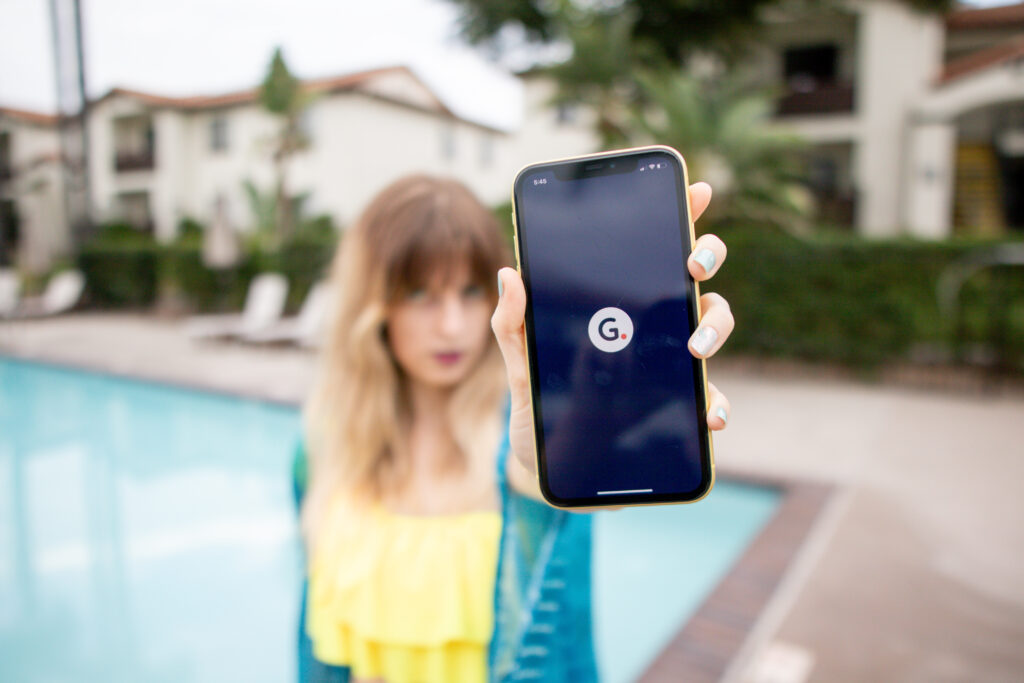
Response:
column 619, row 400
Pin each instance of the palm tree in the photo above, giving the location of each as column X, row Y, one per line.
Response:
column 722, row 126
column 600, row 73
column 281, row 94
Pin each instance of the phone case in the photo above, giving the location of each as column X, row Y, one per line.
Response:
column 696, row 299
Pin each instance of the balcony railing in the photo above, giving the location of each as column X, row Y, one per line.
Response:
column 826, row 99
column 134, row 161
column 836, row 208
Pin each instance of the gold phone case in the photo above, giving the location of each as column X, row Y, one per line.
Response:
column 696, row 291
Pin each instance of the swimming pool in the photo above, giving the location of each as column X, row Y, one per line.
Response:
column 147, row 533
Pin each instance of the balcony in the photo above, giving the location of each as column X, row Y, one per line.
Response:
column 135, row 161
column 134, row 144
column 822, row 99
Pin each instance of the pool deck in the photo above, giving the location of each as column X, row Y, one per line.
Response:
column 902, row 557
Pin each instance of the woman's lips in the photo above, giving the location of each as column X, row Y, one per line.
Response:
column 448, row 357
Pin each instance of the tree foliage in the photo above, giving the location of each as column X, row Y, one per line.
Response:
column 281, row 94
column 722, row 125
column 666, row 71
column 671, row 29
column 267, row 211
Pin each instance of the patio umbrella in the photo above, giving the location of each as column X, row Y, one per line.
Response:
column 220, row 243
column 221, row 252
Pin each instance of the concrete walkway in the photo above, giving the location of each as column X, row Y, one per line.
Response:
column 922, row 578
column 159, row 349
column 916, row 575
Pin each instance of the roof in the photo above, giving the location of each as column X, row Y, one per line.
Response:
column 360, row 81
column 322, row 85
column 987, row 17
column 333, row 84
column 33, row 117
column 1010, row 50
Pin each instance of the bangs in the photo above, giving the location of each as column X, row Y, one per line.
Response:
column 431, row 240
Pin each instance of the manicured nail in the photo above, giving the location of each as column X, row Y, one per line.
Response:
column 703, row 339
column 501, row 287
column 706, row 258
column 720, row 412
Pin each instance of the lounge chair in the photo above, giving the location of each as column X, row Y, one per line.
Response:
column 303, row 329
column 60, row 296
column 10, row 288
column 264, row 303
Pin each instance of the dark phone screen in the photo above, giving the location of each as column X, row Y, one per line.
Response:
column 603, row 252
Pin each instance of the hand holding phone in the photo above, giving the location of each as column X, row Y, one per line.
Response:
column 578, row 388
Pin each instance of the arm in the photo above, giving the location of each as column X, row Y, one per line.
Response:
column 507, row 323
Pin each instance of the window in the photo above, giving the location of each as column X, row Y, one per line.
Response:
column 218, row 133
column 10, row 233
column 486, row 150
column 566, row 113
column 134, row 143
column 447, row 141
column 134, row 208
column 6, row 167
column 221, row 207
column 305, row 125
column 811, row 67
column 823, row 175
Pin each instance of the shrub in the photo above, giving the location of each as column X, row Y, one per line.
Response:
column 862, row 302
column 120, row 267
column 831, row 297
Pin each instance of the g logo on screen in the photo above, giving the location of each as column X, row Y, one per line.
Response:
column 610, row 329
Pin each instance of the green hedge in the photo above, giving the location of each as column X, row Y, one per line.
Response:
column 862, row 303
column 120, row 275
column 133, row 275
column 120, row 267
column 830, row 298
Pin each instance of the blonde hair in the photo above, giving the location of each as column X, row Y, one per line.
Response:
column 357, row 414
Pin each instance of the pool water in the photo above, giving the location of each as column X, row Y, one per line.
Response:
column 147, row 533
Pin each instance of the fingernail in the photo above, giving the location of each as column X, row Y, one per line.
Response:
column 706, row 258
column 501, row 287
column 720, row 412
column 703, row 339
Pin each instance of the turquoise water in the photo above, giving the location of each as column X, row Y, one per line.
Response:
column 147, row 534
column 654, row 566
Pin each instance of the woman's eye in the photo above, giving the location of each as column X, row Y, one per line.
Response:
column 472, row 291
column 418, row 294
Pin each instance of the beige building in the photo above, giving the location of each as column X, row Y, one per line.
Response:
column 917, row 120
column 156, row 160
column 32, row 216
column 916, row 123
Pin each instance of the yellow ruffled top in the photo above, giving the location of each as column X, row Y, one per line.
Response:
column 404, row 598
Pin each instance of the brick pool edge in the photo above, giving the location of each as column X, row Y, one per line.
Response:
column 705, row 648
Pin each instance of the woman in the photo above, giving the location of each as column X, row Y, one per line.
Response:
column 431, row 556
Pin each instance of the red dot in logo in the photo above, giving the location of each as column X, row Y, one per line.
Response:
column 623, row 336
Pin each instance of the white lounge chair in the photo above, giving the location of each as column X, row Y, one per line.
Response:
column 10, row 288
column 61, row 295
column 264, row 303
column 303, row 329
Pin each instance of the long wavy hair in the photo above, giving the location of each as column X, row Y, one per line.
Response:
column 358, row 414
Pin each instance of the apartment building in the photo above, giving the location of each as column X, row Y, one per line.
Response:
column 155, row 159
column 916, row 120
column 33, row 224
column 915, row 123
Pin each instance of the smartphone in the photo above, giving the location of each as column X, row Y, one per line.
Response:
column 619, row 402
